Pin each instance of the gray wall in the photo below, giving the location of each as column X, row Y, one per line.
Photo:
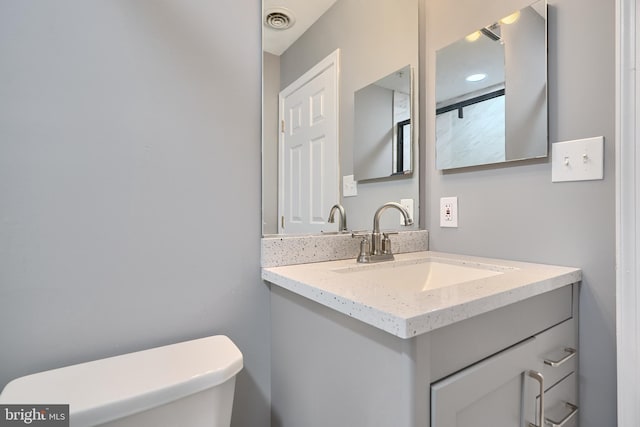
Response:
column 126, row 128
column 514, row 211
column 375, row 38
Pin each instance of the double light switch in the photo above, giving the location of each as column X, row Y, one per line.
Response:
column 579, row 160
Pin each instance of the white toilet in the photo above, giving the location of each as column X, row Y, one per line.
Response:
column 188, row 384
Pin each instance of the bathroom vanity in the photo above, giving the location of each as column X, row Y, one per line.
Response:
column 429, row 339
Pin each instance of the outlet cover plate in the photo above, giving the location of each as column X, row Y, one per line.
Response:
column 449, row 212
column 408, row 205
column 349, row 186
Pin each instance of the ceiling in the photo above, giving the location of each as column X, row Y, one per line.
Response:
column 461, row 59
column 305, row 13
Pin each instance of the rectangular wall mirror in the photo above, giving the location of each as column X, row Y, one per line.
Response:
column 371, row 40
column 491, row 92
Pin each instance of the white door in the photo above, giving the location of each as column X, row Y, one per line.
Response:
column 308, row 158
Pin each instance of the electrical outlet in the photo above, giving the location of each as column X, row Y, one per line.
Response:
column 448, row 212
column 408, row 205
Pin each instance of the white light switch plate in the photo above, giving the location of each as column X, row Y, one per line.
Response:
column 349, row 186
column 408, row 205
column 448, row 212
column 579, row 160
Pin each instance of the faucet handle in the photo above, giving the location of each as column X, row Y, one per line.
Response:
column 365, row 246
column 386, row 242
column 360, row 233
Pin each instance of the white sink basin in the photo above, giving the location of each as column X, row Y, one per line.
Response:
column 420, row 275
column 419, row 291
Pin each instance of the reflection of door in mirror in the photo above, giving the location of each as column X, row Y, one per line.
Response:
column 308, row 165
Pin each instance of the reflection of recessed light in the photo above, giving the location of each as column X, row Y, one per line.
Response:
column 473, row 36
column 476, row 77
column 511, row 18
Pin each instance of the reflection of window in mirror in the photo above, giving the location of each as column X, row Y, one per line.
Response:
column 403, row 146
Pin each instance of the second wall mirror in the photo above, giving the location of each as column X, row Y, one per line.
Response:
column 491, row 92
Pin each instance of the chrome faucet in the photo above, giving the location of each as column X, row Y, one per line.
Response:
column 342, row 224
column 379, row 249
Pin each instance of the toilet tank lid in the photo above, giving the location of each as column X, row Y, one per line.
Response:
column 111, row 388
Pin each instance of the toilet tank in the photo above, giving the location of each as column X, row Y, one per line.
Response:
column 185, row 384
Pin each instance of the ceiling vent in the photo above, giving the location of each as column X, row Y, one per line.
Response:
column 279, row 18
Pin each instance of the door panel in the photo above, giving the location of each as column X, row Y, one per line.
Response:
column 495, row 392
column 317, row 165
column 295, row 187
column 309, row 150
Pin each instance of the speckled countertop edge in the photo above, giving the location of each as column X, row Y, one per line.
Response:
column 410, row 314
column 289, row 250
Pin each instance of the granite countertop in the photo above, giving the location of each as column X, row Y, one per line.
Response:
column 412, row 309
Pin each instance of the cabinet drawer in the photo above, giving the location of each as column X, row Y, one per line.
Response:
column 504, row 390
column 459, row 345
column 557, row 349
column 560, row 405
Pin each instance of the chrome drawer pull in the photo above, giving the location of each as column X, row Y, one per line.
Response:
column 538, row 377
column 555, row 363
column 562, row 422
